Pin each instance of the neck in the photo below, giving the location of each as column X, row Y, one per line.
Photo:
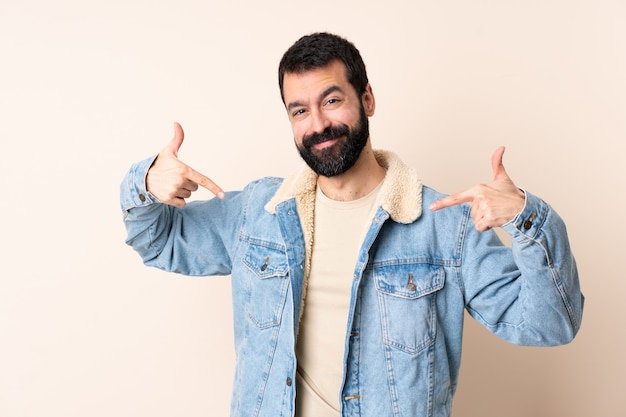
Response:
column 357, row 182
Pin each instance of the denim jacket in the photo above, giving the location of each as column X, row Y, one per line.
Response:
column 416, row 274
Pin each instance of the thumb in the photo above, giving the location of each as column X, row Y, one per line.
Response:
column 499, row 173
column 177, row 140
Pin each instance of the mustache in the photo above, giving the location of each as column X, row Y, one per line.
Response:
column 331, row 132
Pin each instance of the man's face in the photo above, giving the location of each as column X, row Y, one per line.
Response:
column 329, row 120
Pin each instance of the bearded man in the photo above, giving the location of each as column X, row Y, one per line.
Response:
column 350, row 278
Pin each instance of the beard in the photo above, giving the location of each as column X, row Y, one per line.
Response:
column 343, row 154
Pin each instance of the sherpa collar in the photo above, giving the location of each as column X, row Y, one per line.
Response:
column 400, row 194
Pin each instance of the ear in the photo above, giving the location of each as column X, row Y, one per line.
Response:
column 369, row 103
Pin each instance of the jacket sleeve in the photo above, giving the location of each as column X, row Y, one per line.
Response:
column 195, row 240
column 528, row 294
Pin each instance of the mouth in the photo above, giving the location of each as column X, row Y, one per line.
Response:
column 324, row 141
column 325, row 144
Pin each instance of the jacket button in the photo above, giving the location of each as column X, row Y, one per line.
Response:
column 142, row 197
column 529, row 222
column 288, row 381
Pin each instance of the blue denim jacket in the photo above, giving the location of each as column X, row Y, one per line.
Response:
column 417, row 271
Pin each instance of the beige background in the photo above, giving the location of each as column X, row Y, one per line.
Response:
column 88, row 87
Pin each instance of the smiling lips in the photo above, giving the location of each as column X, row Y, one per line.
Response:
column 325, row 144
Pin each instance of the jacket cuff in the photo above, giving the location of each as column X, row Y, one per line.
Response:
column 527, row 224
column 133, row 190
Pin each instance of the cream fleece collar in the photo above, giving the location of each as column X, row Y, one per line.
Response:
column 400, row 194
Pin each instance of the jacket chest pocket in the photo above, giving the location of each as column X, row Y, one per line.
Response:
column 407, row 296
column 267, row 284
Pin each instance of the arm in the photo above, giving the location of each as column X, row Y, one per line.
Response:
column 192, row 238
column 528, row 295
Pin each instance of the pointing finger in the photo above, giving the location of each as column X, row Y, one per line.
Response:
column 453, row 200
column 207, row 183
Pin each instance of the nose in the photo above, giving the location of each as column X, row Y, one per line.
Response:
column 319, row 122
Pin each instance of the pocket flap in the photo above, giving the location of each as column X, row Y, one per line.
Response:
column 409, row 280
column 266, row 262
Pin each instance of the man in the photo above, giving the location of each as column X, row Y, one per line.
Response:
column 349, row 279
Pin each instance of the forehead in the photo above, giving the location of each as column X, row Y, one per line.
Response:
column 297, row 86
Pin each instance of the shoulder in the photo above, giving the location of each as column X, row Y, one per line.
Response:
column 260, row 191
column 264, row 185
column 430, row 195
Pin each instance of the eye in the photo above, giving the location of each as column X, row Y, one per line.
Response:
column 332, row 102
column 297, row 112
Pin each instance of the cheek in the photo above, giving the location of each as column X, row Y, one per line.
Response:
column 299, row 130
column 348, row 117
column 297, row 135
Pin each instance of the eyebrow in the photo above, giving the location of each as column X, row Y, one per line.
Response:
column 329, row 90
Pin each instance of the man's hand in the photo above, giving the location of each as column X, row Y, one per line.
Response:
column 170, row 180
column 493, row 204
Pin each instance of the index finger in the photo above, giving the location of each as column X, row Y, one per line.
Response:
column 453, row 200
column 206, row 182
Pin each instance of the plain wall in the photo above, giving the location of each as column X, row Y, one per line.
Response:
column 89, row 87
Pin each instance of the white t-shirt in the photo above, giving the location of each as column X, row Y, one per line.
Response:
column 340, row 228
